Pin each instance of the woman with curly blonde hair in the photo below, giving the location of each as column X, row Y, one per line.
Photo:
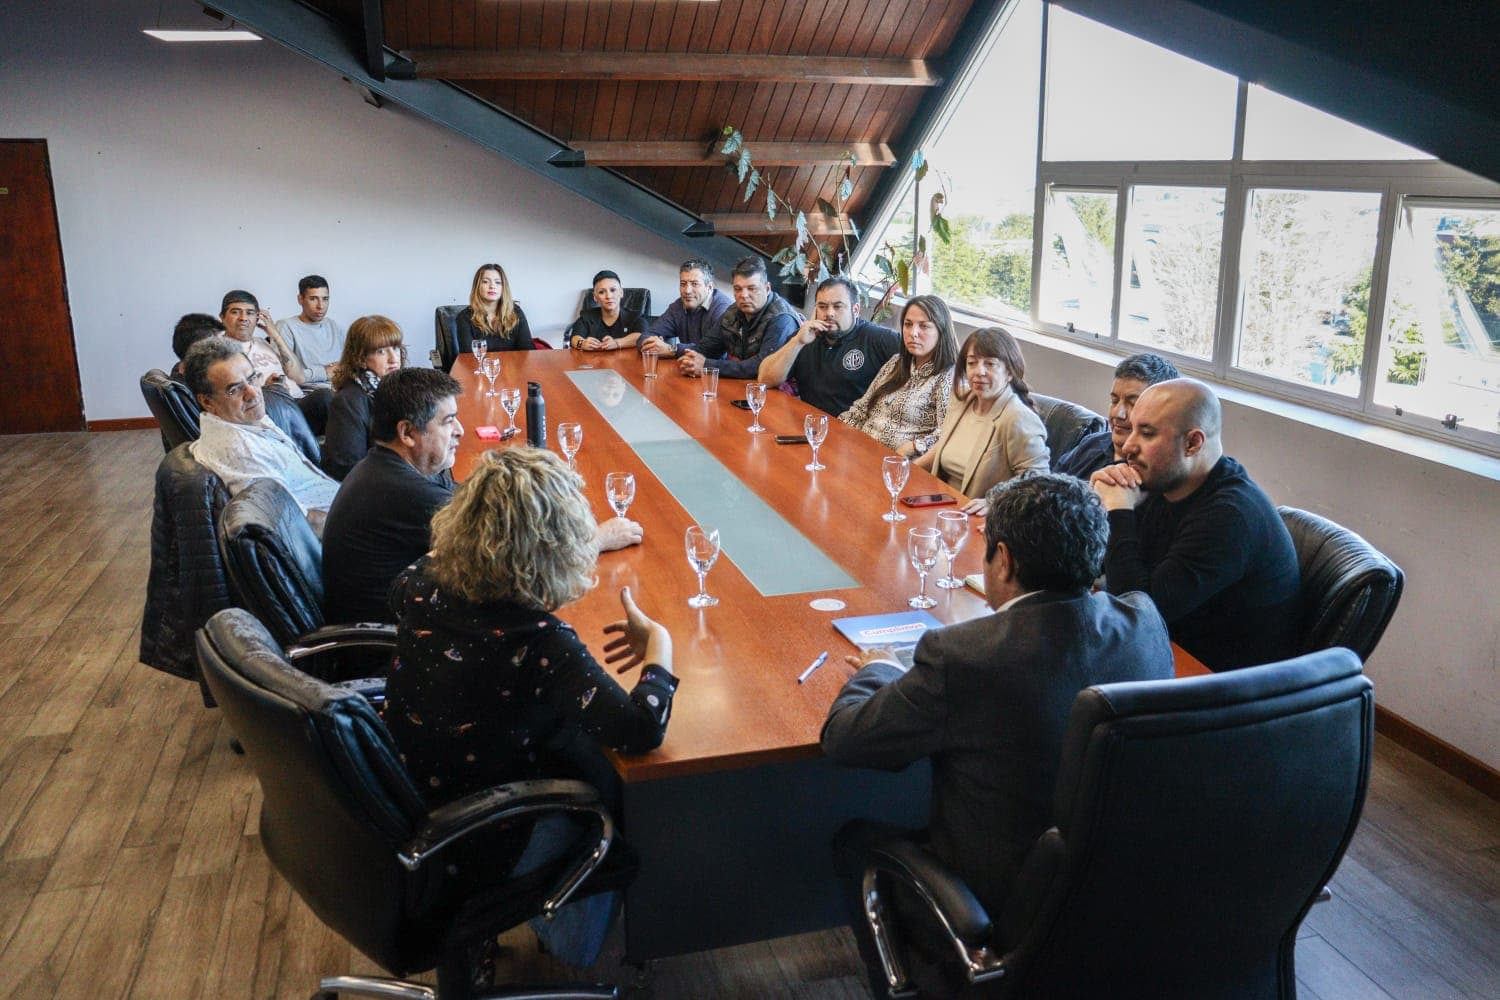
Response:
column 489, row 686
column 492, row 314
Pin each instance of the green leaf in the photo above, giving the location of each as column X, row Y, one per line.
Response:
column 828, row 210
column 920, row 168
column 770, row 204
column 752, row 183
column 801, row 263
column 941, row 228
column 938, row 202
column 921, row 244
column 733, row 141
column 802, row 235
column 846, row 188
column 789, row 269
column 903, row 275
column 884, row 264
column 784, row 255
column 742, row 165
column 822, row 270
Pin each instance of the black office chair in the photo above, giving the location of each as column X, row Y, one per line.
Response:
column 173, row 406
column 1349, row 589
column 342, row 821
column 446, row 335
column 286, row 414
column 1067, row 423
column 186, row 583
column 1197, row 821
column 636, row 300
column 274, row 565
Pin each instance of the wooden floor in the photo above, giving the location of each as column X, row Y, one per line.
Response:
column 130, row 863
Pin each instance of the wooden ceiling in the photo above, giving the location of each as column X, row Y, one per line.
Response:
column 644, row 87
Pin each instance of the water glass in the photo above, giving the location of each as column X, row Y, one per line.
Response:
column 648, row 362
column 702, row 550
column 923, row 546
column 510, row 402
column 710, row 383
column 815, row 427
column 570, row 439
column 894, row 469
column 491, row 369
column 755, row 395
column 619, row 489
column 953, row 527
column 478, row 349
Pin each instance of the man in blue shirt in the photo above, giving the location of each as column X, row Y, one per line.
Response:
column 760, row 322
column 690, row 318
column 835, row 355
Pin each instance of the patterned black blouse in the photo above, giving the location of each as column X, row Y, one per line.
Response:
column 481, row 694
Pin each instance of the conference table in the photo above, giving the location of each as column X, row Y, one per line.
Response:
column 733, row 815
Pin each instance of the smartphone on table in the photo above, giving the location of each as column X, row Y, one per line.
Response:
column 929, row 500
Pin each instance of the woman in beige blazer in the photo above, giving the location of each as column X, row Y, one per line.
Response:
column 991, row 431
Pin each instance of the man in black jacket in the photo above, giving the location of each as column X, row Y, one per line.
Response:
column 1189, row 527
column 760, row 322
column 988, row 700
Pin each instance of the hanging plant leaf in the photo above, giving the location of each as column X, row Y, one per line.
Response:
column 941, row 228
column 936, row 205
column 742, row 165
column 733, row 141
column 829, row 212
column 770, row 204
column 884, row 264
column 903, row 276
column 802, row 235
column 752, row 183
column 784, row 255
column 921, row 245
column 846, row 188
column 822, row 270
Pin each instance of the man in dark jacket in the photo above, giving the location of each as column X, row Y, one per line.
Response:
column 1188, row 526
column 759, row 323
column 988, row 700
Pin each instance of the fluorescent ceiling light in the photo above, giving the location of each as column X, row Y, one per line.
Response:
column 214, row 35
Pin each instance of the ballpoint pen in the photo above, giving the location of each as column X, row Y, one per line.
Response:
column 822, row 658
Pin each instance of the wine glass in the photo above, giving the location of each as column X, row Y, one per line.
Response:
column 953, row 527
column 619, row 488
column 702, row 551
column 510, row 402
column 894, row 469
column 923, row 546
column 478, row 348
column 815, row 426
column 491, row 369
column 570, row 439
column 755, row 395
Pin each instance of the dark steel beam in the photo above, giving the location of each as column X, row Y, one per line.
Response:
column 374, row 18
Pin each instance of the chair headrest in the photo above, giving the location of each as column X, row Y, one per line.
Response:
column 274, row 560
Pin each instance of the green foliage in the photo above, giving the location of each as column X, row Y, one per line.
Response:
column 1472, row 263
column 979, row 270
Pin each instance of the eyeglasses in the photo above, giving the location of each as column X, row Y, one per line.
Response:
column 255, row 379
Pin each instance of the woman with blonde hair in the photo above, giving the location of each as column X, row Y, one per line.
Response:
column 489, row 685
column 372, row 350
column 493, row 314
column 992, row 431
column 906, row 401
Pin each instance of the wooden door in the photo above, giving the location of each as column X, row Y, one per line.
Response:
column 39, row 388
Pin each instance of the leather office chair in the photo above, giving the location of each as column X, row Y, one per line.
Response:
column 1067, row 423
column 186, row 584
column 446, row 335
column 1349, row 589
column 636, row 300
column 173, row 406
column 286, row 414
column 274, row 565
column 1197, row 820
column 342, row 821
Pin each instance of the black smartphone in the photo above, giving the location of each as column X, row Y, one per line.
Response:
column 791, row 439
column 929, row 500
column 740, row 403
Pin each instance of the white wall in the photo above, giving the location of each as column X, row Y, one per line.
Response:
column 1438, row 665
column 182, row 171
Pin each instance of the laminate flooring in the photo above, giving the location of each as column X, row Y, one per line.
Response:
column 130, row 864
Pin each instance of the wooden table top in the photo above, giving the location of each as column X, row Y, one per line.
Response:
column 739, row 703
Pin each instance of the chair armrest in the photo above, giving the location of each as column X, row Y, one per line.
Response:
column 963, row 918
column 329, row 637
column 455, row 820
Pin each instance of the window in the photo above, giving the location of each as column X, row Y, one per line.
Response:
column 1305, row 264
column 1171, row 292
column 1440, row 345
column 1078, row 260
column 1279, row 128
column 1114, row 97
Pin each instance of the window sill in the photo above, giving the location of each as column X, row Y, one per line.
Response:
column 1405, row 443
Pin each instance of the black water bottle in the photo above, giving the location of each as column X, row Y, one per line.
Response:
column 536, row 416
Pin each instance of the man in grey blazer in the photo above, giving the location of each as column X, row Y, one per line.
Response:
column 988, row 699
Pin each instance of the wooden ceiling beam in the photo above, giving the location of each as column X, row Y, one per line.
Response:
column 706, row 154
column 476, row 64
column 756, row 224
